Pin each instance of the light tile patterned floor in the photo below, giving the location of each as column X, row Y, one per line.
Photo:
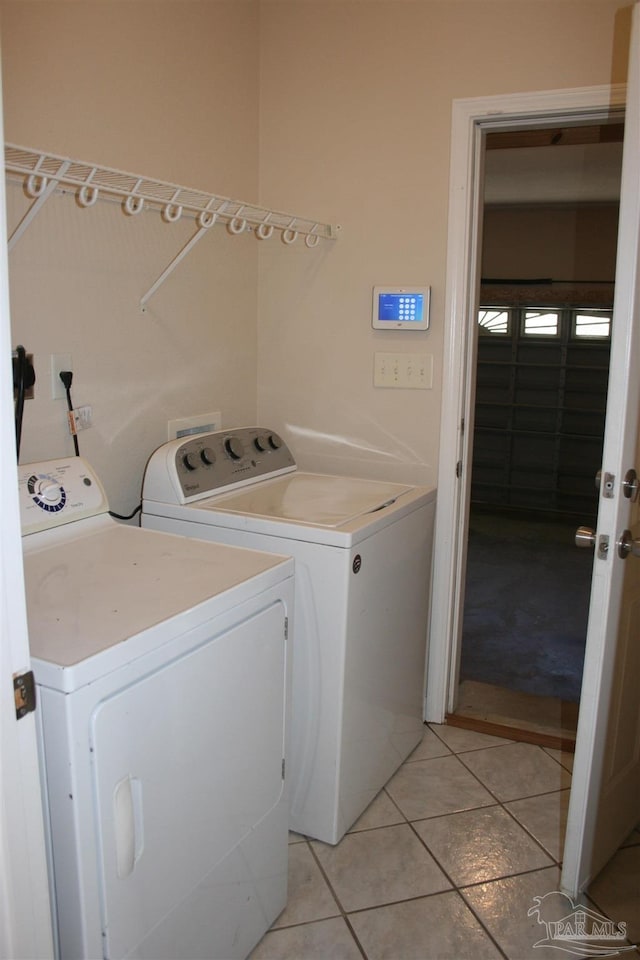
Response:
column 445, row 863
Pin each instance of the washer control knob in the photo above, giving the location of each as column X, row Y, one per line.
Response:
column 261, row 443
column 208, row 456
column 233, row 446
column 274, row 441
column 189, row 460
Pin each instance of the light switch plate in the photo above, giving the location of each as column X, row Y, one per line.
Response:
column 406, row 371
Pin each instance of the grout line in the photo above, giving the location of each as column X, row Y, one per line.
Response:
column 548, row 853
column 343, row 912
column 508, row 876
column 507, row 741
column 355, row 936
column 526, row 796
column 558, row 760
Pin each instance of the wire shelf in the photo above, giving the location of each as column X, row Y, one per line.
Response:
column 43, row 173
column 40, row 168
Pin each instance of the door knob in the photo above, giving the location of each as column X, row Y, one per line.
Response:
column 585, row 537
column 627, row 545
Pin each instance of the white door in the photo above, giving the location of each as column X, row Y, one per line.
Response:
column 25, row 921
column 605, row 795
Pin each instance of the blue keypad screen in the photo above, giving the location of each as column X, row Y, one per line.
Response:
column 407, row 307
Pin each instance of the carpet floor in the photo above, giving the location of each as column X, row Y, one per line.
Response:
column 526, row 605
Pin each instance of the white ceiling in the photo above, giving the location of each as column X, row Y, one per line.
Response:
column 580, row 173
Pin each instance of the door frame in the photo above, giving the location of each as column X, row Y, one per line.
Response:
column 471, row 119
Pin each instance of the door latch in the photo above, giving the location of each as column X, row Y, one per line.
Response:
column 586, row 537
column 608, row 488
column 24, row 692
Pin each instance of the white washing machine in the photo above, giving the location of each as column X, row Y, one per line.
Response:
column 363, row 559
column 161, row 668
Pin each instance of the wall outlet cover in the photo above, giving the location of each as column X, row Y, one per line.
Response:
column 199, row 423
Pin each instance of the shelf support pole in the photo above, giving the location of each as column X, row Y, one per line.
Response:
column 36, row 206
column 171, row 267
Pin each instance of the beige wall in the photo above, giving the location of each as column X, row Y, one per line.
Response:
column 354, row 128
column 339, row 110
column 165, row 89
column 557, row 242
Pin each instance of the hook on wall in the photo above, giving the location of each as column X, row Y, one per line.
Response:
column 133, row 205
column 172, row 212
column 237, row 225
column 87, row 195
column 289, row 235
column 34, row 186
column 312, row 239
column 264, row 230
column 207, row 219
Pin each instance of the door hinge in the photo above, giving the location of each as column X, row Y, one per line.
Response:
column 459, row 469
column 24, row 693
column 283, row 766
column 286, row 628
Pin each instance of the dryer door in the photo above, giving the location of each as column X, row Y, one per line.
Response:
column 189, row 795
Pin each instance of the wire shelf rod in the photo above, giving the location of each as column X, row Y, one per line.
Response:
column 136, row 191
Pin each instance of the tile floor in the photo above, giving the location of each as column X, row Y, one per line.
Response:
column 446, row 861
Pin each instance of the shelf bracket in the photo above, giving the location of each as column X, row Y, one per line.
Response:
column 200, row 232
column 41, row 197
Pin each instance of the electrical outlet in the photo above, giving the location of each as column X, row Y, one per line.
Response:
column 59, row 361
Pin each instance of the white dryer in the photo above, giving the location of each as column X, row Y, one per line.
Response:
column 363, row 559
column 161, row 669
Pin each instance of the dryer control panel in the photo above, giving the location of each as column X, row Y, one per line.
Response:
column 190, row 469
column 53, row 492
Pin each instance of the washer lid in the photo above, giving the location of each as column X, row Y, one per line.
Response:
column 310, row 498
